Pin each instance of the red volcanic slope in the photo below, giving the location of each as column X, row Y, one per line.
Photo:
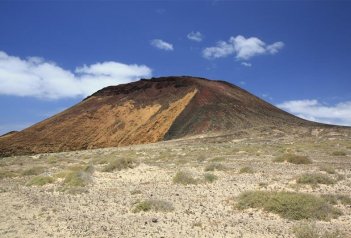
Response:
column 148, row 111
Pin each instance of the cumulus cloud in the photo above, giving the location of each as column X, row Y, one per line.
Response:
column 316, row 111
column 242, row 48
column 162, row 45
column 195, row 36
column 37, row 77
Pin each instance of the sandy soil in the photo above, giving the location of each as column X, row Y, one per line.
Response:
column 104, row 207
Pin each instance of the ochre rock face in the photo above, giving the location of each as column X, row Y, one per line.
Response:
column 147, row 111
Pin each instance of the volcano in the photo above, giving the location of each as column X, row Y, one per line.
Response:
column 147, row 111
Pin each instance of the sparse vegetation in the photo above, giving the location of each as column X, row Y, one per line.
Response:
column 289, row 205
column 334, row 198
column 40, row 181
column 135, row 191
column 214, row 166
column 217, row 159
column 154, row 205
column 210, row 177
column 263, row 185
column 327, row 168
column 76, row 179
column 184, row 177
column 33, row 171
column 119, row 164
column 315, row 178
column 246, row 170
column 311, row 231
column 4, row 173
column 76, row 176
column 292, row 158
column 339, row 153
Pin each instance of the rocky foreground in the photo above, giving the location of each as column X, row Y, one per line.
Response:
column 194, row 187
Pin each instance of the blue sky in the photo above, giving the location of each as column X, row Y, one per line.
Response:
column 294, row 54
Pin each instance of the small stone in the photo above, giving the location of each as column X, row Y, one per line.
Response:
column 154, row 220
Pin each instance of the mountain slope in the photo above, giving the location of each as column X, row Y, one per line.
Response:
column 148, row 111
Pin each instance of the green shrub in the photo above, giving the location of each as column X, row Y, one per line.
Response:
column 119, row 164
column 339, row 153
column 315, row 178
column 246, row 170
column 40, row 181
column 292, row 158
column 154, row 205
column 214, row 166
column 210, row 177
column 295, row 206
column 184, row 177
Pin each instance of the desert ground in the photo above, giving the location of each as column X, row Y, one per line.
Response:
column 194, row 187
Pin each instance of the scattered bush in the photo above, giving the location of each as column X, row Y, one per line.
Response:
column 315, row 178
column 334, row 198
column 339, row 153
column 246, row 170
column 311, row 231
column 214, row 166
column 40, row 181
column 292, row 158
column 154, row 205
column 119, row 164
column 76, row 179
column 295, row 206
column 210, row 177
column 327, row 168
column 76, row 176
column 33, row 171
column 184, row 177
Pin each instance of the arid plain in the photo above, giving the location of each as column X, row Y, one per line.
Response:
column 193, row 187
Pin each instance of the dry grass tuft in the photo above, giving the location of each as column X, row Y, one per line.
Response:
column 295, row 206
column 119, row 164
column 184, row 177
column 311, row 231
column 215, row 166
column 327, row 168
column 339, row 153
column 153, row 205
column 246, row 170
column 40, row 181
column 315, row 178
column 292, row 158
column 210, row 177
column 33, row 171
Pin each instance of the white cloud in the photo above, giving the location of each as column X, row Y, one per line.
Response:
column 314, row 110
column 246, row 64
column 195, row 36
column 36, row 77
column 162, row 45
column 222, row 49
column 242, row 48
